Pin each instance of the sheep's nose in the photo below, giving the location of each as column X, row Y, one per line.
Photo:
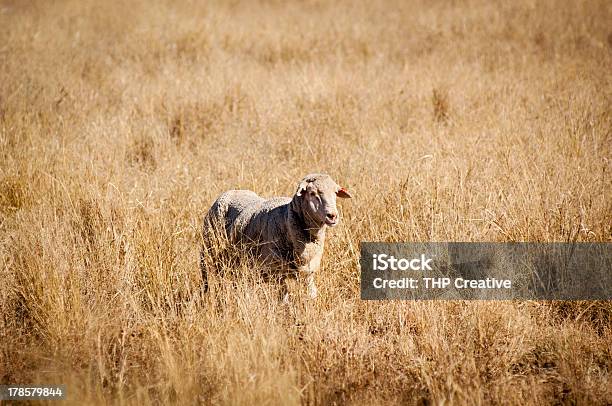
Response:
column 332, row 216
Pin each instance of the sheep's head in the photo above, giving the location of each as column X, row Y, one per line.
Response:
column 317, row 195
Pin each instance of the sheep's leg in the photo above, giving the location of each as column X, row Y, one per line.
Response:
column 309, row 269
column 312, row 288
column 204, row 271
column 284, row 291
column 306, row 274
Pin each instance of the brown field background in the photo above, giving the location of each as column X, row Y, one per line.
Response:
column 449, row 121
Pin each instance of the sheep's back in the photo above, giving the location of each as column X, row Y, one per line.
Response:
column 263, row 220
column 251, row 219
column 265, row 226
column 231, row 205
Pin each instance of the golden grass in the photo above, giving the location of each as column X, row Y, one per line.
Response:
column 449, row 121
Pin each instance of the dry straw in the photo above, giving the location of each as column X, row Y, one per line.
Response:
column 451, row 121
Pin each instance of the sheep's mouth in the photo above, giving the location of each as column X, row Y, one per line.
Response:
column 331, row 223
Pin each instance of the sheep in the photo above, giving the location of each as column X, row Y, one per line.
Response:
column 286, row 233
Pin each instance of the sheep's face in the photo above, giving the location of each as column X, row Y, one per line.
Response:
column 319, row 195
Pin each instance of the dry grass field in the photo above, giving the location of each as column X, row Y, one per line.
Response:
column 120, row 122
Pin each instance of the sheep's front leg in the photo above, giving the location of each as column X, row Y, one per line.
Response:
column 308, row 275
column 311, row 265
column 284, row 291
column 312, row 288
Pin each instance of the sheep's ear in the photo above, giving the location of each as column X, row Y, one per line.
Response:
column 301, row 187
column 343, row 193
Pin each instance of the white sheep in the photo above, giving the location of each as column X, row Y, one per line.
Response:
column 286, row 233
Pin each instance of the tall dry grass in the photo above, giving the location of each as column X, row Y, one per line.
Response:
column 450, row 121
